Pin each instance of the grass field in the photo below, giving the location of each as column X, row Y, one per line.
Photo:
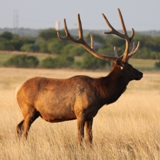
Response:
column 128, row 129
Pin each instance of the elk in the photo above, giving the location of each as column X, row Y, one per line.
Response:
column 79, row 97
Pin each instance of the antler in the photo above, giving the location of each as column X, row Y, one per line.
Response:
column 126, row 55
column 82, row 42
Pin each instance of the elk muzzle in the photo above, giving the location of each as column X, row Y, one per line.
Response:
column 139, row 75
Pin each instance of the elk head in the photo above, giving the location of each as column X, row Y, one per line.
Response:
column 120, row 62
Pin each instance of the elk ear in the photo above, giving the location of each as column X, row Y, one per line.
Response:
column 120, row 64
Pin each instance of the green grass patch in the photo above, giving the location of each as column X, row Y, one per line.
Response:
column 143, row 64
column 4, row 57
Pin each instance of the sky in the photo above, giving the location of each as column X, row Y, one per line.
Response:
column 142, row 15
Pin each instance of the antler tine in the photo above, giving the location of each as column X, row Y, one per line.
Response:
column 134, row 49
column 92, row 41
column 113, row 31
column 80, row 31
column 68, row 36
column 124, row 27
column 133, row 46
column 115, row 51
column 66, row 31
column 122, row 22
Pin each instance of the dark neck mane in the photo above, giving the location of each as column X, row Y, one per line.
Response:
column 114, row 85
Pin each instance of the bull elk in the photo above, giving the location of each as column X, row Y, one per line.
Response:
column 79, row 97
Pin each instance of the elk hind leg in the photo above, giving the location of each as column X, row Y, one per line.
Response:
column 88, row 127
column 20, row 128
column 24, row 126
column 80, row 124
column 30, row 118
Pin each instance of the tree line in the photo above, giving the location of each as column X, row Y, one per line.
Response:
column 68, row 54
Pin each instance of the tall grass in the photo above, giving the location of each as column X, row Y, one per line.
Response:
column 128, row 129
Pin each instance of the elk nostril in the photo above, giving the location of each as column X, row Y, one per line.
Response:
column 140, row 75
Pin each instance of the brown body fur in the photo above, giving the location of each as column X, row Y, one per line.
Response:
column 78, row 97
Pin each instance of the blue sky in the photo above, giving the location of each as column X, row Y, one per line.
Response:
column 142, row 15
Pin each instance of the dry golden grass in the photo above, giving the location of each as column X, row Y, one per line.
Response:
column 129, row 129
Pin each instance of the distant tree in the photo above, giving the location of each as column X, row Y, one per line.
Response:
column 42, row 46
column 73, row 50
column 96, row 37
column 66, row 49
column 157, row 64
column 106, row 50
column 61, row 61
column 16, row 42
column 112, row 41
column 5, row 45
column 22, row 61
column 91, row 62
column 48, row 62
column 48, row 34
column 55, row 46
column 27, row 48
column 6, row 35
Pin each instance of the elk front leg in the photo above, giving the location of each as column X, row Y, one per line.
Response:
column 80, row 127
column 88, row 127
